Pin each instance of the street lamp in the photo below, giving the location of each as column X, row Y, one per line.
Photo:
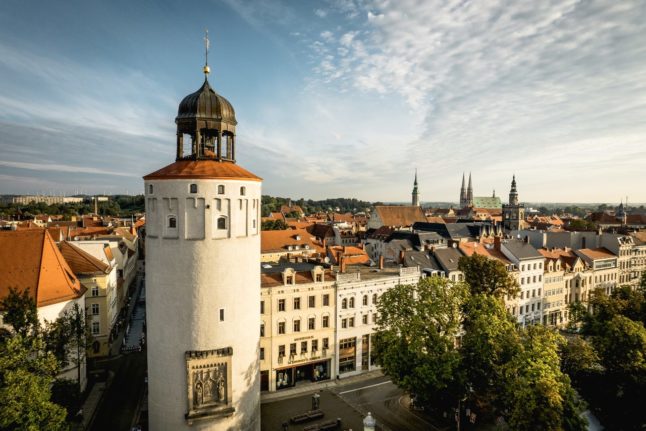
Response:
column 369, row 423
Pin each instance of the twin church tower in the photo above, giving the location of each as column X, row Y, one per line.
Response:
column 203, row 276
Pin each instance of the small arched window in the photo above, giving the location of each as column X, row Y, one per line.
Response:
column 220, row 189
column 344, row 303
column 193, row 188
column 172, row 222
column 150, row 189
column 243, row 191
column 374, row 298
column 222, row 222
column 365, row 299
column 352, row 302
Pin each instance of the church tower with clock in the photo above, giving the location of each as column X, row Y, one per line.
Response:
column 203, row 276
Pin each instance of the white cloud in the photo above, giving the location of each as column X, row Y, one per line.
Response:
column 320, row 13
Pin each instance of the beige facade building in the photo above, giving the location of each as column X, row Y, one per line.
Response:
column 297, row 325
column 101, row 300
column 605, row 271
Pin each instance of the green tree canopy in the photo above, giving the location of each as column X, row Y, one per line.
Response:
column 20, row 312
column 538, row 396
column 415, row 345
column 487, row 276
column 26, row 376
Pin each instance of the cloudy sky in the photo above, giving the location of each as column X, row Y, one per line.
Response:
column 333, row 98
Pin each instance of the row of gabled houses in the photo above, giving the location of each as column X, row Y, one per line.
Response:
column 94, row 271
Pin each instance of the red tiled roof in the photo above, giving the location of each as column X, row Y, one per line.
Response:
column 81, row 261
column 391, row 215
column 31, row 260
column 202, row 169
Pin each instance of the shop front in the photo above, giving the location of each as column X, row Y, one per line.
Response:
column 310, row 372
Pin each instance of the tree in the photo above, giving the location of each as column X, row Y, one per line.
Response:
column 26, row 375
column 274, row 225
column 416, row 339
column 487, row 276
column 490, row 341
column 68, row 338
column 578, row 357
column 20, row 312
column 537, row 395
column 622, row 347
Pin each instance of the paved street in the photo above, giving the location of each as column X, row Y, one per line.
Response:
column 120, row 401
column 383, row 399
column 351, row 402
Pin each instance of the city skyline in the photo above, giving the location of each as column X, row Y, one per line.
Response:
column 552, row 92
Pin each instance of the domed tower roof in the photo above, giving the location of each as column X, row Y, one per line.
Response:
column 206, row 104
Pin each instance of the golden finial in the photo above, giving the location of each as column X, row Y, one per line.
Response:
column 206, row 68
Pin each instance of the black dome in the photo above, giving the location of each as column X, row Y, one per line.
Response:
column 206, row 104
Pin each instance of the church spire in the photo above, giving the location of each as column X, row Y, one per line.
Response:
column 463, row 193
column 415, row 191
column 470, row 192
column 513, row 193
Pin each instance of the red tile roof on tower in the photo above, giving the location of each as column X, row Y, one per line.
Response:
column 202, row 169
column 31, row 260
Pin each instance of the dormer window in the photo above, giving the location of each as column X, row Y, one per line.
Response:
column 193, row 188
column 220, row 189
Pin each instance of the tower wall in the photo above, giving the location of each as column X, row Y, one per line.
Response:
column 193, row 271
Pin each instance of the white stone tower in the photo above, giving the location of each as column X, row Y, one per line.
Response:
column 203, row 277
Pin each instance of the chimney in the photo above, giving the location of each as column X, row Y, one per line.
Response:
column 496, row 242
column 324, row 242
column 401, row 256
column 381, row 262
column 342, row 264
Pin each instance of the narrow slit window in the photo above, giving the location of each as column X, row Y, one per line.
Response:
column 243, row 191
column 193, row 188
column 220, row 189
column 221, row 314
column 150, row 189
column 172, row 222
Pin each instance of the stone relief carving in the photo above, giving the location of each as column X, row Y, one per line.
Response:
column 209, row 383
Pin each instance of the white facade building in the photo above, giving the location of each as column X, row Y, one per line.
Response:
column 203, row 277
column 358, row 292
column 530, row 278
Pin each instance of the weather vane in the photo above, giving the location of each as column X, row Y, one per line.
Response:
column 206, row 69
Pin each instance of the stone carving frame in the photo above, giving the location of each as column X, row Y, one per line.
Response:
column 208, row 378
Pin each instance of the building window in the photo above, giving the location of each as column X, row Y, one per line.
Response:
column 311, row 301
column 325, row 322
column 243, row 191
column 222, row 222
column 297, row 303
column 351, row 322
column 221, row 314
column 326, row 343
column 365, row 299
column 220, row 189
column 374, row 317
column 262, row 329
column 374, row 298
column 150, row 189
column 292, row 349
column 281, row 350
column 365, row 319
column 319, row 278
column 352, row 302
column 303, row 347
column 95, row 309
column 326, row 300
column 289, row 280
column 262, row 353
column 297, row 325
column 344, row 323
column 281, row 305
column 311, row 323
column 315, row 345
column 95, row 291
column 193, row 188
column 96, row 328
column 344, row 303
column 262, row 307
column 172, row 222
column 281, row 327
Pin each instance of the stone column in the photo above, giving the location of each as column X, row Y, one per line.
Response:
column 180, row 145
column 219, row 150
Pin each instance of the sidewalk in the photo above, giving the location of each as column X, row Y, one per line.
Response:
column 315, row 387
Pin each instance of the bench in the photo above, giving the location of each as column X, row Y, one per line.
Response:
column 330, row 425
column 307, row 416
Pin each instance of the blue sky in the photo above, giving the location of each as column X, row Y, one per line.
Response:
column 333, row 98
